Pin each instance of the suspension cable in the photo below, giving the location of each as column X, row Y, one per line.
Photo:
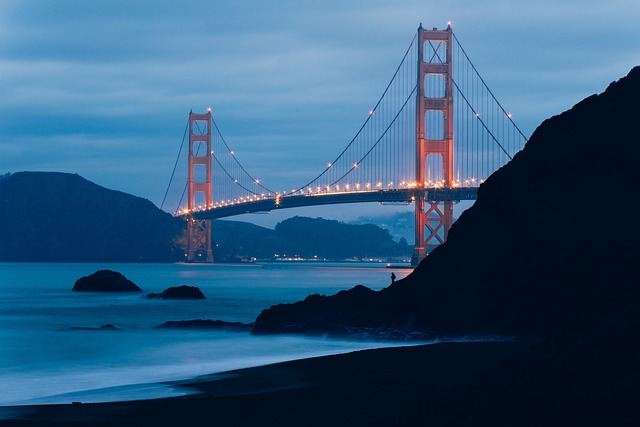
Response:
column 368, row 118
column 256, row 181
column 175, row 165
column 487, row 87
column 380, row 138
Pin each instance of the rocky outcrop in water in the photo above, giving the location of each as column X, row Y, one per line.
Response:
column 178, row 292
column 105, row 281
column 107, row 327
column 206, row 324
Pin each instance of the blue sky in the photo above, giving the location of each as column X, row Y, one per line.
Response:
column 103, row 89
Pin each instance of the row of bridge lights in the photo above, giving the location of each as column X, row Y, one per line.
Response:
column 337, row 188
column 436, row 184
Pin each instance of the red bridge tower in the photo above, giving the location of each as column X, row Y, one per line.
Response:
column 434, row 135
column 199, row 181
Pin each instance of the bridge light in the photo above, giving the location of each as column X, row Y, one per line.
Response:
column 477, row 114
column 232, row 152
column 257, row 181
column 329, row 165
column 509, row 115
column 448, row 23
column 355, row 166
column 371, row 112
column 208, row 109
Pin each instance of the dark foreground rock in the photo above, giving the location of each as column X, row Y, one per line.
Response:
column 178, row 292
column 206, row 324
column 529, row 259
column 105, row 281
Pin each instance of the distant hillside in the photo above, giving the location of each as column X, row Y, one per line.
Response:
column 51, row 216
column 304, row 237
column 308, row 237
column 235, row 241
column 401, row 225
column 60, row 217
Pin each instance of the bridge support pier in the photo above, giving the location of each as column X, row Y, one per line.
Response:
column 434, row 136
column 199, row 182
column 436, row 217
column 199, row 244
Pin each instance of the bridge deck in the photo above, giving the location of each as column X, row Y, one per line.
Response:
column 297, row 201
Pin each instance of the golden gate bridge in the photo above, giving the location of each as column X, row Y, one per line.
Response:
column 435, row 134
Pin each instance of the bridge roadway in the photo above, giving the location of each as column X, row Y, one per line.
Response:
column 300, row 200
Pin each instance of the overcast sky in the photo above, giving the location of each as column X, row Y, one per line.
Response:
column 103, row 89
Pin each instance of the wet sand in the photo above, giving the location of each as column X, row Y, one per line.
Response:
column 386, row 387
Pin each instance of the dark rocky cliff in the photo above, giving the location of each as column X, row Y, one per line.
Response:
column 552, row 240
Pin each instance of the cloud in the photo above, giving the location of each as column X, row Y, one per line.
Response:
column 104, row 88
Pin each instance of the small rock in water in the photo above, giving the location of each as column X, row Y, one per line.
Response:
column 107, row 327
column 178, row 292
column 206, row 324
column 105, row 281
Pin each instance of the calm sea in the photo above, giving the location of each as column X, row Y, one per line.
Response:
column 42, row 361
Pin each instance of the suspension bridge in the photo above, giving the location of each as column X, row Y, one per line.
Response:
column 435, row 134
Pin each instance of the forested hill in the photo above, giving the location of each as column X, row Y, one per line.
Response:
column 52, row 216
column 303, row 237
column 333, row 239
column 60, row 217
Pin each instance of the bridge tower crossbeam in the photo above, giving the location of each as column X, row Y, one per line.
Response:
column 434, row 135
column 199, row 230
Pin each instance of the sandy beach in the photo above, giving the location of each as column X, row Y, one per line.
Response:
column 385, row 387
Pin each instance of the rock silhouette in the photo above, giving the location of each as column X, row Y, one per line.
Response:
column 105, row 281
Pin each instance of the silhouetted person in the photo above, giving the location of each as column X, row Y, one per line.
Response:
column 393, row 278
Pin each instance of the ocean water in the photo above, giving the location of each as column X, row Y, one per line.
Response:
column 42, row 361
